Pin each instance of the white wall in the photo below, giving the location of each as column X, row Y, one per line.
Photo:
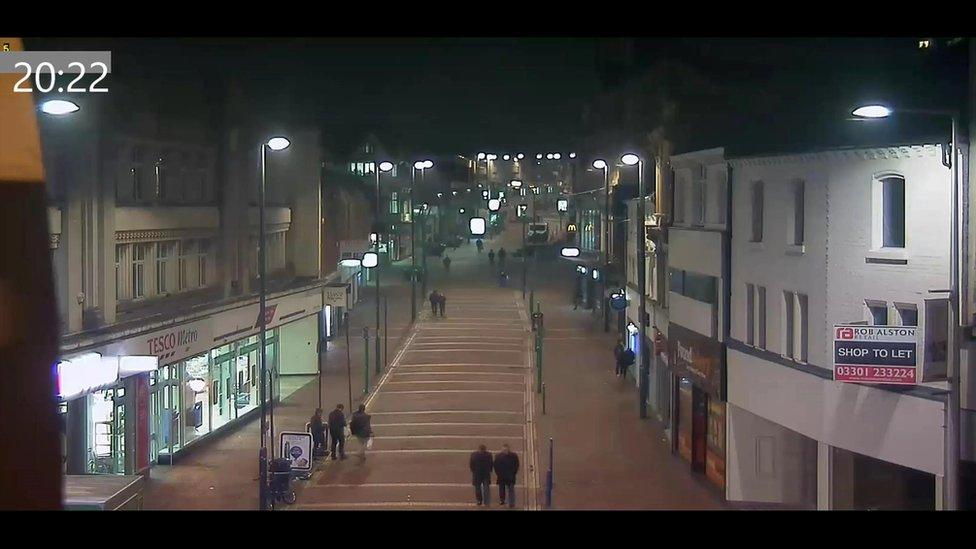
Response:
column 299, row 347
column 767, row 462
column 885, row 425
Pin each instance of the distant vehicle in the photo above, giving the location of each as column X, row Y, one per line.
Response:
column 537, row 233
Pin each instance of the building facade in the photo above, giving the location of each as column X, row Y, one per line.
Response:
column 825, row 238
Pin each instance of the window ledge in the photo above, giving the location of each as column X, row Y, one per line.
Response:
column 796, row 249
column 887, row 255
column 755, row 245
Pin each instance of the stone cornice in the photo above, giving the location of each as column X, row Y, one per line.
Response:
column 876, row 153
column 163, row 234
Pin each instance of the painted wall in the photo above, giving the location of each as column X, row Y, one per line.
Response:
column 299, row 347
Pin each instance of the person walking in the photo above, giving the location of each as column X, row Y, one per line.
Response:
column 501, row 257
column 317, row 427
column 434, row 301
column 624, row 360
column 480, row 464
column 577, row 299
column 447, row 263
column 617, row 349
column 337, row 428
column 506, row 469
column 362, row 430
column 491, row 256
column 441, row 303
column 480, row 245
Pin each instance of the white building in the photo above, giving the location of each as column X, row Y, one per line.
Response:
column 697, row 299
column 820, row 239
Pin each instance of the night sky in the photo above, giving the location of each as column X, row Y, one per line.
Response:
column 447, row 95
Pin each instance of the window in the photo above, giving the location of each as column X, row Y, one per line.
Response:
column 164, row 181
column 677, row 281
column 757, row 211
column 119, row 283
column 696, row 286
column 893, row 212
column 908, row 314
column 698, row 199
column 164, row 252
column 394, row 203
column 789, row 322
column 761, row 324
column 203, row 250
column 679, row 200
column 188, row 249
column 139, row 253
column 750, row 314
column 798, row 211
column 802, row 343
column 879, row 312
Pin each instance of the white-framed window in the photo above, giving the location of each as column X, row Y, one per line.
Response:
column 716, row 191
column 698, row 197
column 757, row 211
column 139, row 254
column 203, row 249
column 121, row 291
column 750, row 314
column 761, row 318
column 188, row 252
column 799, row 207
column 907, row 313
column 888, row 211
column 394, row 203
column 164, row 256
column 789, row 325
column 877, row 312
column 679, row 199
column 802, row 343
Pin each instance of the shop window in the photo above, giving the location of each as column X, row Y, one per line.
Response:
column 908, row 314
column 878, row 311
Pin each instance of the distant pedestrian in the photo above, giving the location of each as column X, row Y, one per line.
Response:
column 362, row 430
column 434, row 301
column 624, row 360
column 501, row 257
column 441, row 303
column 577, row 299
column 506, row 469
column 447, row 263
column 617, row 349
column 502, row 279
column 317, row 427
column 491, row 256
column 480, row 245
column 480, row 464
column 337, row 430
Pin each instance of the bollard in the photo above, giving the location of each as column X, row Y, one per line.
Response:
column 531, row 301
column 543, row 399
column 538, row 362
column 549, row 477
column 366, row 361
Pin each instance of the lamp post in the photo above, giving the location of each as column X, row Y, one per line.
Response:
column 602, row 165
column 643, row 372
column 951, row 479
column 413, row 241
column 383, row 167
column 267, row 408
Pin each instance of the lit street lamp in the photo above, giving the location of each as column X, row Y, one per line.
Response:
column 631, row 160
column 952, row 453
column 601, row 164
column 267, row 408
column 59, row 107
column 380, row 230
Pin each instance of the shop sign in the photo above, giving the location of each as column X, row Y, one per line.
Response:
column 698, row 357
column 297, row 447
column 335, row 295
column 168, row 345
column 85, row 373
column 876, row 354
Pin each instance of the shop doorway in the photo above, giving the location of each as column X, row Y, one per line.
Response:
column 699, row 429
column 106, row 432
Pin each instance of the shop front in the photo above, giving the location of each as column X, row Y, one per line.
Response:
column 699, row 366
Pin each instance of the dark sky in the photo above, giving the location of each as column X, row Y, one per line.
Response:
column 446, row 95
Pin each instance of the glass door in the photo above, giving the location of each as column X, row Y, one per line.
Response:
column 106, row 442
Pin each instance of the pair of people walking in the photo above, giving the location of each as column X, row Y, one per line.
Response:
column 359, row 427
column 505, row 465
column 437, row 303
column 624, row 358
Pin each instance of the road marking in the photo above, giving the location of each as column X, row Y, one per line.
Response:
column 445, row 412
column 444, row 423
column 455, row 350
column 403, row 485
column 442, row 436
column 457, row 374
column 453, row 381
column 449, row 391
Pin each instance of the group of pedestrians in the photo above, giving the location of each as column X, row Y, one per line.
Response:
column 501, row 257
column 505, row 464
column 338, row 429
column 437, row 303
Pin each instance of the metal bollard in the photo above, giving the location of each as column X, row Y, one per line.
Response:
column 549, row 477
column 543, row 399
column 366, row 361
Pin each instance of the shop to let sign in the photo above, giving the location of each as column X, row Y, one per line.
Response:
column 876, row 354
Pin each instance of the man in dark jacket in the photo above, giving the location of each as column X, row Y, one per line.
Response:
column 506, row 468
column 624, row 360
column 435, row 299
column 480, row 464
column 362, row 430
column 317, row 426
column 441, row 303
column 337, row 427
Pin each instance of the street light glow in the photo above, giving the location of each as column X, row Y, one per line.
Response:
column 600, row 164
column 386, row 166
column 516, row 183
column 481, row 156
column 572, row 155
column 370, row 260
column 506, row 157
column 571, row 251
column 549, row 156
column 350, row 262
column 538, row 156
column 872, row 111
column 461, row 211
column 556, row 156
column 278, row 143
column 419, row 165
column 428, row 164
column 630, row 159
column 520, row 156
column 477, row 226
column 494, row 204
column 59, row 107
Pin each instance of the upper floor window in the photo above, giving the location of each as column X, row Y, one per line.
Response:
column 394, row 203
column 698, row 196
column 679, row 200
column 137, row 174
column 139, row 254
column 892, row 211
column 757, row 211
column 799, row 198
column 878, row 310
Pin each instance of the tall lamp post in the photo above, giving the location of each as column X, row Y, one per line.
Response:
column 421, row 165
column 267, row 408
column 602, row 165
column 643, row 373
column 951, row 488
column 380, row 231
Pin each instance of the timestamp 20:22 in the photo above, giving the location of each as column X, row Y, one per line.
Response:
column 22, row 85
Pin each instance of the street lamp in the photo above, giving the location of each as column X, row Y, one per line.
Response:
column 601, row 164
column 267, row 409
column 643, row 378
column 516, row 183
column 506, row 157
column 520, row 156
column 571, row 251
column 381, row 226
column 952, row 453
column 494, row 204
column 556, row 156
column 418, row 165
column 538, row 156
